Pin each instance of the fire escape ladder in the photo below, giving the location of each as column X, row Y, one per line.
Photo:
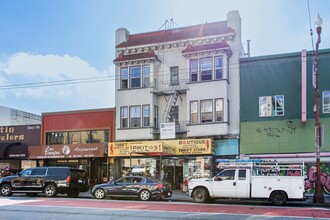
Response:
column 171, row 103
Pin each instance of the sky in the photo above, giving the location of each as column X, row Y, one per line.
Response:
column 57, row 55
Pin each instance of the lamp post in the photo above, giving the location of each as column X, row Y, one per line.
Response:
column 318, row 194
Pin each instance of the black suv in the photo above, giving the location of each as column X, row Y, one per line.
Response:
column 47, row 180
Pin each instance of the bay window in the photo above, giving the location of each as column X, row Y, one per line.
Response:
column 146, row 75
column 218, row 67
column 219, row 110
column 124, row 78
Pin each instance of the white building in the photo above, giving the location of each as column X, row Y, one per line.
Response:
column 10, row 116
column 187, row 75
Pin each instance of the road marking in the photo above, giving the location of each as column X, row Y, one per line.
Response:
column 9, row 201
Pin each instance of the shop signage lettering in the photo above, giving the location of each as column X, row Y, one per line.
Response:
column 172, row 147
column 29, row 134
column 66, row 151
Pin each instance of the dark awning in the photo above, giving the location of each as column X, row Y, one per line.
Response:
column 16, row 150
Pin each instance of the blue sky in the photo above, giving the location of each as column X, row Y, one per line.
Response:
column 47, row 41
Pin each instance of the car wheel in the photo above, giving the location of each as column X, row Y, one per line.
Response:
column 31, row 194
column 278, row 198
column 50, row 191
column 200, row 195
column 73, row 194
column 145, row 195
column 99, row 193
column 6, row 190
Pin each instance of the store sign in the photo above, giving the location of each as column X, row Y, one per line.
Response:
column 194, row 146
column 66, row 151
column 28, row 134
column 143, row 148
column 165, row 147
column 167, row 130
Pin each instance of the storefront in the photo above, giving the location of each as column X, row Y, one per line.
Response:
column 168, row 160
column 14, row 142
column 90, row 157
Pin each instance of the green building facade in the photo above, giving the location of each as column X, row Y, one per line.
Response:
column 274, row 125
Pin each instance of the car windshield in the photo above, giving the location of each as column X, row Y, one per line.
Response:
column 26, row 172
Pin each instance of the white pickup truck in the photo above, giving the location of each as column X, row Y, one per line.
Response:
column 274, row 181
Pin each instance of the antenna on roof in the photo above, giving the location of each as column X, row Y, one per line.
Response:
column 168, row 24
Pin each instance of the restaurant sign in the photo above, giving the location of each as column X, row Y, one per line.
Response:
column 66, row 151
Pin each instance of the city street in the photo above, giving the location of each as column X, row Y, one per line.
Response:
column 21, row 207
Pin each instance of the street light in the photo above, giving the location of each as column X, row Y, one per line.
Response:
column 318, row 194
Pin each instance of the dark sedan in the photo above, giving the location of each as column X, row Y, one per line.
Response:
column 140, row 187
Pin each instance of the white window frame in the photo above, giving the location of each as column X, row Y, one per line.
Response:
column 174, row 74
column 206, row 69
column 135, row 114
column 124, row 78
column 218, row 68
column 193, row 72
column 123, row 116
column 133, row 77
column 326, row 102
column 206, row 111
column 146, row 75
column 194, row 112
column 219, row 109
column 146, row 115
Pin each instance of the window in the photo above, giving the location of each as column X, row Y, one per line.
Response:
column 326, row 102
column 271, row 106
column 242, row 175
column 155, row 116
column 193, row 112
column 124, row 78
column 135, row 116
column 39, row 172
column 174, row 71
column 218, row 67
column 146, row 115
column 206, row 111
column 227, row 175
column 193, row 70
column 174, row 117
column 146, row 76
column 135, row 73
column 219, row 110
column 123, row 117
column 206, row 69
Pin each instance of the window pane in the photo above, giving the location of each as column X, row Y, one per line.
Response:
column 206, row 69
column 218, row 67
column 156, row 116
column 206, row 111
column 124, row 117
column 193, row 112
column 135, row 116
column 146, row 76
column 124, row 78
column 174, row 71
column 135, row 77
column 326, row 102
column 193, row 70
column 146, row 115
column 265, row 106
column 219, row 109
column 278, row 105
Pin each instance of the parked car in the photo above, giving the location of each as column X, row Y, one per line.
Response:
column 140, row 187
column 48, row 180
